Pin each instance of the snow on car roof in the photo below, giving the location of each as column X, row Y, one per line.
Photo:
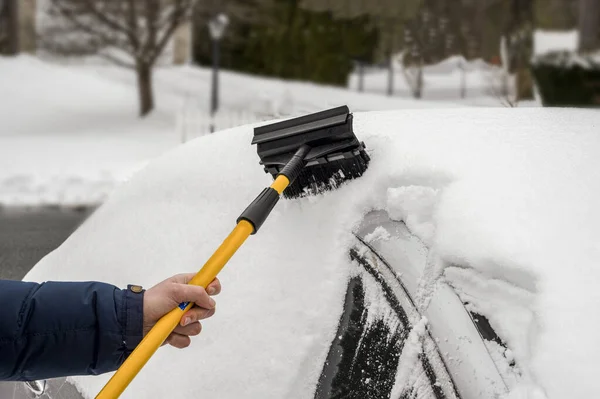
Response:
column 516, row 194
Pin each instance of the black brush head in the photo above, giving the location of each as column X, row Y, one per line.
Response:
column 335, row 156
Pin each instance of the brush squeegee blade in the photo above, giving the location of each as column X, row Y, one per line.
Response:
column 335, row 155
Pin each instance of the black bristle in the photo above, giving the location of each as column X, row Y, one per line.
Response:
column 331, row 152
column 318, row 178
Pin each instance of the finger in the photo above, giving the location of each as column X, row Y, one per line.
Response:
column 191, row 293
column 182, row 278
column 195, row 314
column 214, row 288
column 189, row 330
column 178, row 340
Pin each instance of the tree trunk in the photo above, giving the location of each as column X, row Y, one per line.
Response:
column 390, row 83
column 390, row 86
column 419, row 85
column 523, row 72
column 463, row 78
column 361, row 76
column 589, row 25
column 13, row 27
column 146, row 95
column 524, row 84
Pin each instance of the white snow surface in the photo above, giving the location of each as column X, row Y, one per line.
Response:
column 69, row 134
column 405, row 375
column 414, row 205
column 517, row 201
column 67, row 137
column 379, row 234
column 545, row 41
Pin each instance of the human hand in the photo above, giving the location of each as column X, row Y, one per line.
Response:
column 167, row 295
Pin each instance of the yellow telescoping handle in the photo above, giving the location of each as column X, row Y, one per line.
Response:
column 161, row 330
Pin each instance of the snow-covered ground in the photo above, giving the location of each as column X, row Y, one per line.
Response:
column 510, row 195
column 442, row 81
column 546, row 41
column 66, row 136
column 481, row 81
column 69, row 133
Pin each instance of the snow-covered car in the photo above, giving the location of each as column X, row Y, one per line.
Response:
column 461, row 265
column 373, row 344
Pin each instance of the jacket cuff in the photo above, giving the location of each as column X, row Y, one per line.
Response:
column 132, row 317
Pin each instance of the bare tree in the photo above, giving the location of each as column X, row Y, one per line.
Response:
column 130, row 33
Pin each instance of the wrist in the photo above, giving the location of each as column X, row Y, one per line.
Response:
column 132, row 316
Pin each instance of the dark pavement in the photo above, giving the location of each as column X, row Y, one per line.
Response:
column 26, row 236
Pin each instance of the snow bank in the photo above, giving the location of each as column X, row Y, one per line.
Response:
column 67, row 137
column 36, row 94
column 517, row 195
column 70, row 171
column 443, row 81
column 414, row 205
column 455, row 63
column 568, row 60
column 379, row 234
column 545, row 41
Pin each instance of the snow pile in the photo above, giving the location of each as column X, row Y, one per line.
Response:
column 36, row 94
column 454, row 63
column 67, row 137
column 379, row 234
column 70, row 171
column 517, row 201
column 545, row 41
column 560, row 49
column 414, row 205
column 567, row 59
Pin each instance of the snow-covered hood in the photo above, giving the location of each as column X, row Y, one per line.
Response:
column 516, row 197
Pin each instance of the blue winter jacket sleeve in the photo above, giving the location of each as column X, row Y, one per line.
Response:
column 57, row 329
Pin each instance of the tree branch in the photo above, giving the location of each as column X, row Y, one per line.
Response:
column 132, row 20
column 181, row 12
column 77, row 24
column 141, row 28
column 77, row 10
column 109, row 22
column 99, row 37
column 151, row 15
column 116, row 60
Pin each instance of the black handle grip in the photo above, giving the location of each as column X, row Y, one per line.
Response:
column 260, row 208
column 295, row 165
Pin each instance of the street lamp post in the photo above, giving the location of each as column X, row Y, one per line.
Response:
column 216, row 27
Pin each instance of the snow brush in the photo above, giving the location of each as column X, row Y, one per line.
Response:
column 306, row 156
